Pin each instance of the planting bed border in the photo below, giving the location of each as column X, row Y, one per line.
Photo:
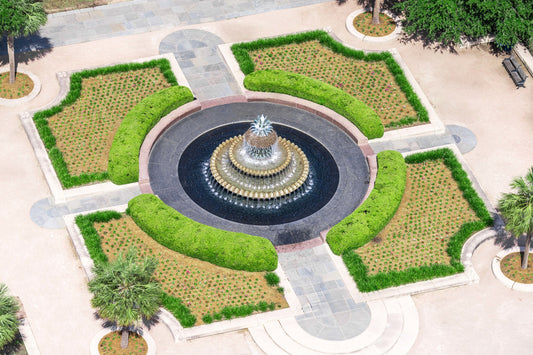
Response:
column 497, row 271
column 358, row 270
column 102, row 333
column 59, row 194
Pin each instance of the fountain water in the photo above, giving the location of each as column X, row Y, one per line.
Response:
column 260, row 165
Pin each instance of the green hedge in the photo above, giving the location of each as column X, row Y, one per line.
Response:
column 41, row 118
column 376, row 211
column 367, row 283
column 123, row 165
column 240, row 51
column 362, row 116
column 94, row 246
column 171, row 229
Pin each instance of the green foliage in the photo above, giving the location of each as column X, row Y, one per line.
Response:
column 362, row 116
column 179, row 310
column 447, row 20
column 368, row 283
column 376, row 211
column 125, row 291
column 21, row 17
column 9, row 323
column 171, row 229
column 517, row 207
column 244, row 310
column 272, row 278
column 41, row 118
column 240, row 51
column 123, row 165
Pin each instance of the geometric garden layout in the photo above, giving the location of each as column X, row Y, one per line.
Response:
column 421, row 209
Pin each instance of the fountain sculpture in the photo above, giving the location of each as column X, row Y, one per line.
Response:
column 259, row 165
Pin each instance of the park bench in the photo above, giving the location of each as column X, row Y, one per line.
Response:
column 515, row 71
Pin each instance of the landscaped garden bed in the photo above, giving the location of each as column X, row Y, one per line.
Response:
column 78, row 132
column 363, row 24
column 511, row 268
column 439, row 211
column 195, row 291
column 375, row 79
column 22, row 86
column 110, row 345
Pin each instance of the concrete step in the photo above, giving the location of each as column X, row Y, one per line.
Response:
column 392, row 330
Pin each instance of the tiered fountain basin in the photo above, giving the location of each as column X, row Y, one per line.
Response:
column 180, row 171
column 279, row 176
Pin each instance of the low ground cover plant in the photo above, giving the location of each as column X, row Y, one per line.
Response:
column 78, row 132
column 193, row 289
column 375, row 79
column 439, row 211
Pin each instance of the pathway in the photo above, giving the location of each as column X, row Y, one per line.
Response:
column 140, row 16
column 197, row 54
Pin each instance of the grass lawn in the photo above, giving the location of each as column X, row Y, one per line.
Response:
column 432, row 210
column 202, row 287
column 370, row 82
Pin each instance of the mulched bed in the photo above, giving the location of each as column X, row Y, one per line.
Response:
column 363, row 24
column 512, row 269
column 110, row 345
column 22, row 86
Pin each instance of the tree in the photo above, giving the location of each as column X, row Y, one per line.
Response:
column 125, row 291
column 9, row 322
column 19, row 18
column 376, row 9
column 517, row 210
column 446, row 21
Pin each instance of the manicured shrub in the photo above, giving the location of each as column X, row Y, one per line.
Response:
column 179, row 310
column 272, row 278
column 123, row 165
column 362, row 116
column 376, row 211
column 171, row 229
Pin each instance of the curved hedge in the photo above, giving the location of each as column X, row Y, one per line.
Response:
column 170, row 228
column 377, row 210
column 240, row 51
column 123, row 165
column 361, row 115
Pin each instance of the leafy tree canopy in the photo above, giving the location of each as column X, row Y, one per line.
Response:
column 445, row 21
column 21, row 17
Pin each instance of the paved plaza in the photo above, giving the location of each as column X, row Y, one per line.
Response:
column 485, row 117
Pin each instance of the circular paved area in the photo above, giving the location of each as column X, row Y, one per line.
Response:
column 353, row 168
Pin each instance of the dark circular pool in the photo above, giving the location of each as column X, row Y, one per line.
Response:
column 195, row 178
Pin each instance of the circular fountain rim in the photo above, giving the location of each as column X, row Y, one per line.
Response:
column 321, row 114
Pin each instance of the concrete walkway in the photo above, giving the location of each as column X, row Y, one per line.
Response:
column 197, row 54
column 469, row 89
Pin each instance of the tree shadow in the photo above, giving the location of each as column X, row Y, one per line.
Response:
column 15, row 347
column 27, row 49
column 421, row 37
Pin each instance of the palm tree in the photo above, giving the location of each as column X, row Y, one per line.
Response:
column 517, row 210
column 9, row 323
column 19, row 18
column 125, row 291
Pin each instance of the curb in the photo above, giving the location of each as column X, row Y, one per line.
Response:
column 350, row 27
column 497, row 271
column 35, row 91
